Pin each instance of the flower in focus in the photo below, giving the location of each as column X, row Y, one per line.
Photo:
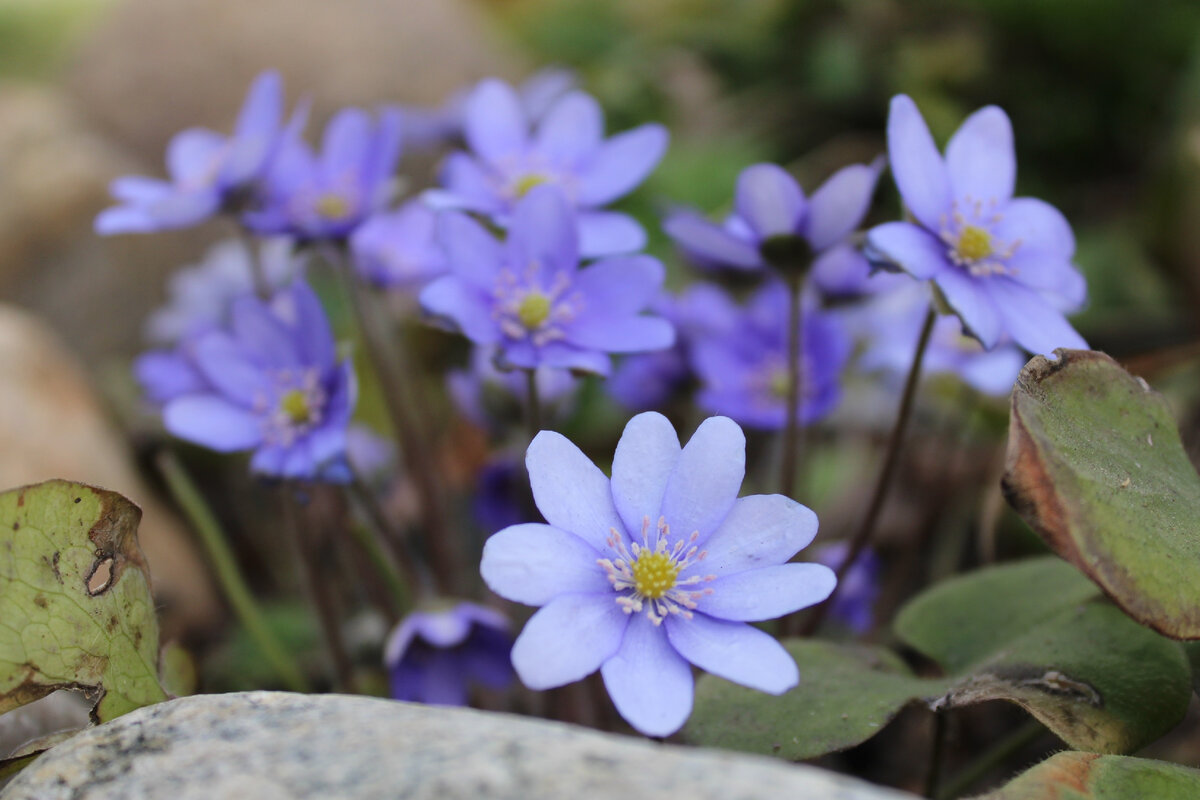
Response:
column 1003, row 264
column 774, row 223
column 892, row 323
column 208, row 172
column 854, row 605
column 272, row 384
column 656, row 569
column 398, row 249
column 744, row 371
column 328, row 196
column 434, row 656
column 492, row 398
column 528, row 297
column 567, row 150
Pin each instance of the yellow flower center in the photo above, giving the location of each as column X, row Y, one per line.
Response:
column 974, row 244
column 527, row 182
column 654, row 574
column 333, row 206
column 779, row 384
column 295, row 406
column 534, row 310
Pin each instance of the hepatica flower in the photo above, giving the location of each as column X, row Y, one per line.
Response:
column 656, row 569
column 272, row 384
column 398, row 249
column 327, row 196
column 1003, row 264
column 773, row 222
column 529, row 298
column 434, row 656
column 567, row 149
column 207, row 171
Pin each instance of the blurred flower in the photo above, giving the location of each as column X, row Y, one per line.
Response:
column 328, row 196
column 647, row 381
column 167, row 374
column 773, row 223
column 208, row 172
column 744, row 371
column 1003, row 264
column 199, row 296
column 892, row 324
column 398, row 249
column 528, row 297
column 660, row 566
column 854, row 605
column 568, row 150
column 434, row 656
column 273, row 384
column 498, row 494
column 491, row 398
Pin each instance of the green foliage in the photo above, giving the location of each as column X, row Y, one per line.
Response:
column 1035, row 633
column 1096, row 467
column 1087, row 776
column 75, row 599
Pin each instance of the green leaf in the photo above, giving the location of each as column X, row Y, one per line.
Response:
column 1087, row 776
column 1096, row 467
column 847, row 694
column 75, row 599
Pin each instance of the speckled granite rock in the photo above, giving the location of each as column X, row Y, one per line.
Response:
column 271, row 745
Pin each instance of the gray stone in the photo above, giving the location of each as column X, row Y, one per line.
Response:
column 270, row 745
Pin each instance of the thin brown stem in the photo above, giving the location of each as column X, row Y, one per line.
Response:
column 533, row 403
column 863, row 535
column 795, row 372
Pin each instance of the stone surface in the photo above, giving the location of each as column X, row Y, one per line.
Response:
column 53, row 426
column 270, row 745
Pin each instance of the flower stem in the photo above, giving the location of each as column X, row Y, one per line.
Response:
column 411, row 442
column 791, row 429
column 258, row 275
column 863, row 535
column 212, row 538
column 990, row 759
column 533, row 403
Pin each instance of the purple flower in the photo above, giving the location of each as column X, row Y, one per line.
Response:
column 499, row 492
column 328, row 196
column 398, row 249
column 208, row 172
column 489, row 396
column 854, row 605
column 528, row 297
column 199, row 296
column 273, row 384
column 567, row 150
column 656, row 569
column 773, row 221
column 166, row 374
column 745, row 371
column 1003, row 264
column 434, row 656
column 892, row 322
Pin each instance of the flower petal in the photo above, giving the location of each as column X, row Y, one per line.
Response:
column 570, row 491
column 222, row 362
column 467, row 186
column 650, row 684
column 645, row 458
column 212, row 422
column 839, row 206
column 734, row 651
column 916, row 164
column 980, row 158
column 568, row 639
column 767, row 593
column 571, row 129
column 473, row 254
column 452, row 299
column 631, row 334
column 193, row 156
column 972, row 301
column 313, row 335
column 620, row 164
column 1032, row 322
column 620, row 286
column 261, row 334
column 494, row 124
column 706, row 481
column 1038, row 232
column 256, row 129
column 533, row 563
column 761, row 530
column 543, row 233
column 706, row 241
column 909, row 247
column 563, row 355
column 608, row 233
column 769, row 200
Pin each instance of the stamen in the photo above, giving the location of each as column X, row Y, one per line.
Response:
column 648, row 577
